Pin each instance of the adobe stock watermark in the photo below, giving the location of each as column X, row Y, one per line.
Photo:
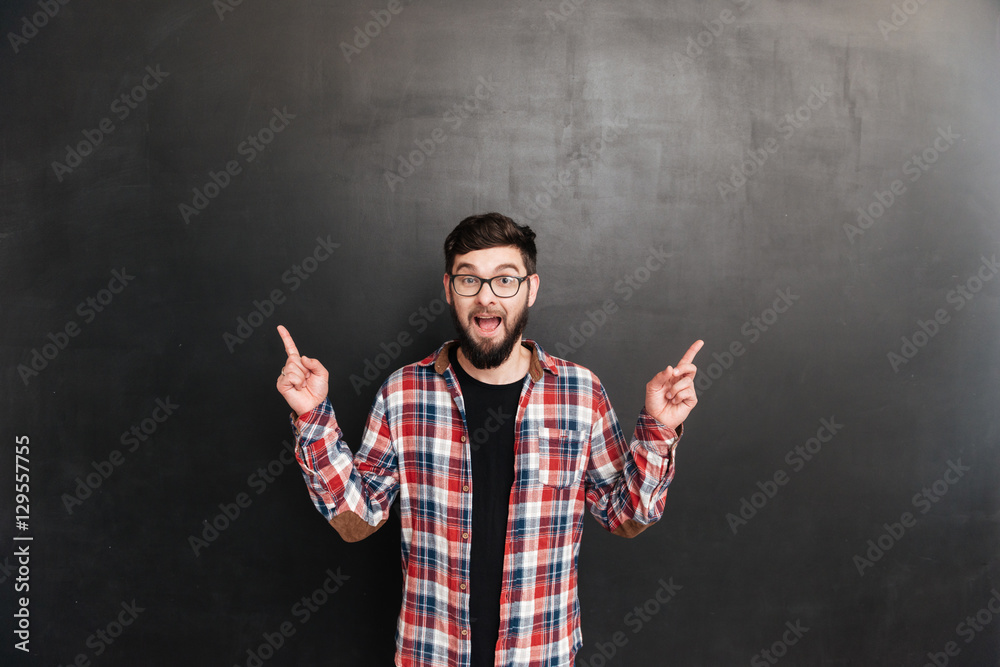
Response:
column 701, row 42
column 968, row 629
column 223, row 7
column 779, row 649
column 59, row 341
column 122, row 107
column 958, row 297
column 924, row 501
column 23, row 614
column 104, row 637
column 376, row 365
column 303, row 610
column 250, row 148
column 626, row 286
column 796, row 458
column 787, row 126
column 381, row 18
column 915, row 167
column 752, row 329
column 7, row 570
column 133, row 438
column 900, row 16
column 258, row 481
column 455, row 117
column 38, row 20
column 495, row 421
column 588, row 154
column 637, row 619
column 566, row 9
column 294, row 277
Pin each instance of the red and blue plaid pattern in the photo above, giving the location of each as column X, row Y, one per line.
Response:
column 569, row 452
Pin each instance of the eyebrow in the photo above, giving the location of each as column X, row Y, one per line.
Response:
column 469, row 267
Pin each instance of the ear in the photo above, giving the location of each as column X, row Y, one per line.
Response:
column 533, row 281
column 447, row 288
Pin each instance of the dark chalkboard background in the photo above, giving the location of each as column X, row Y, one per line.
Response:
column 838, row 162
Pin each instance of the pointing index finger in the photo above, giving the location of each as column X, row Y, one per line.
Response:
column 286, row 337
column 693, row 350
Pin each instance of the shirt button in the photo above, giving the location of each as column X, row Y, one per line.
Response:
column 462, row 586
column 465, row 632
column 465, row 536
column 465, row 488
column 463, row 438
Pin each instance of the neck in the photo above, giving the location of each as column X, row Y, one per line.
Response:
column 511, row 370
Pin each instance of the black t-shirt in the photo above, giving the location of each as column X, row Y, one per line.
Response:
column 490, row 410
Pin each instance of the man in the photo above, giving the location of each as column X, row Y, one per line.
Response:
column 494, row 448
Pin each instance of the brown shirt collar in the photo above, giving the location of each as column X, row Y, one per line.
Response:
column 535, row 367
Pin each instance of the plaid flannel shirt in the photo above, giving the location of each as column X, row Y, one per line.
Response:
column 569, row 452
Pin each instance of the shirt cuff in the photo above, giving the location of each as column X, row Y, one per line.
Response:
column 656, row 437
column 321, row 415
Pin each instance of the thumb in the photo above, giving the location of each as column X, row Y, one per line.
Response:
column 662, row 379
column 312, row 364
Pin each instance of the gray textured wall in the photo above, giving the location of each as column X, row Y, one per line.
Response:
column 821, row 179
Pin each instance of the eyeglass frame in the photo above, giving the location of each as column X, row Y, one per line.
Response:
column 487, row 281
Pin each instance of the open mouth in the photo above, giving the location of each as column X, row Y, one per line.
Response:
column 487, row 324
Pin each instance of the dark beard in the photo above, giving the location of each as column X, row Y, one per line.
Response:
column 482, row 357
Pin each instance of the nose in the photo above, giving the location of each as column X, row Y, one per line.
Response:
column 486, row 296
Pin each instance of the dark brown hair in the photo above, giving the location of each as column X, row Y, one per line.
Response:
column 489, row 230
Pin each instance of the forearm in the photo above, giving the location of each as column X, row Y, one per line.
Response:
column 348, row 499
column 636, row 498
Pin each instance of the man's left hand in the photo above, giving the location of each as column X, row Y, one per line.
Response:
column 670, row 394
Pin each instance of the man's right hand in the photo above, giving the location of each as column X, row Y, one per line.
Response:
column 303, row 381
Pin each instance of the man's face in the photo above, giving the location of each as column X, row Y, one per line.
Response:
column 489, row 326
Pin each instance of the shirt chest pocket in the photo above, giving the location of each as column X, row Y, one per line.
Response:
column 562, row 456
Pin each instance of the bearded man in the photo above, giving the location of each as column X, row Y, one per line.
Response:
column 494, row 448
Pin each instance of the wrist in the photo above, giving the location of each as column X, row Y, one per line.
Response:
column 663, row 421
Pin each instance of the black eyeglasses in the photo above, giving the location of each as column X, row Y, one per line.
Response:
column 504, row 287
